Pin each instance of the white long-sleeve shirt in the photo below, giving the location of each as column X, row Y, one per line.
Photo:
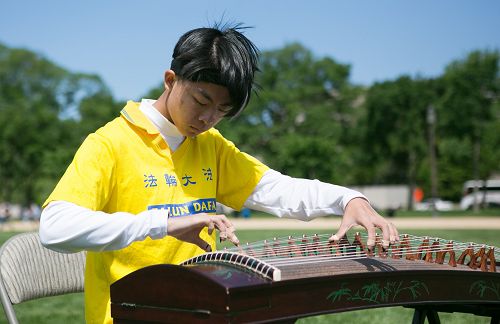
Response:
column 67, row 227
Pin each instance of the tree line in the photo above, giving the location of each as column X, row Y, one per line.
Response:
column 307, row 120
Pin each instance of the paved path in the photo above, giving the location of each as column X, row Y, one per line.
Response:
column 326, row 223
column 19, row 226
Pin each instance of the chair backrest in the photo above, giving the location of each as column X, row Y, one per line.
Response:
column 29, row 271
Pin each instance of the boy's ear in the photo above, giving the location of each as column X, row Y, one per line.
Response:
column 168, row 79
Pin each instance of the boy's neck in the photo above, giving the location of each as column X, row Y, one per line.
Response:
column 161, row 106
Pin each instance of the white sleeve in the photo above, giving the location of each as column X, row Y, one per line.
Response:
column 66, row 227
column 303, row 199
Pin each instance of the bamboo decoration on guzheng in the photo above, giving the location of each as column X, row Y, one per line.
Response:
column 283, row 279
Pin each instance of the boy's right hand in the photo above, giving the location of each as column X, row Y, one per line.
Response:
column 187, row 228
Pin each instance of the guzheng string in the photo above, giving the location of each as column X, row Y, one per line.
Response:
column 269, row 257
column 317, row 248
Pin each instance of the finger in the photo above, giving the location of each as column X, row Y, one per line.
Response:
column 222, row 236
column 344, row 227
column 370, row 242
column 394, row 233
column 219, row 224
column 230, row 229
column 233, row 238
column 386, row 235
column 227, row 224
column 211, row 227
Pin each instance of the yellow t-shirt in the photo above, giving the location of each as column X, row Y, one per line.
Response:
column 126, row 166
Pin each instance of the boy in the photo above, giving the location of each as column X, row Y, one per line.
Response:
column 142, row 189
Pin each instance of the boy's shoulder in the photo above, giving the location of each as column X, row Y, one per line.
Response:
column 115, row 134
column 212, row 132
column 130, row 118
column 212, row 135
column 113, row 129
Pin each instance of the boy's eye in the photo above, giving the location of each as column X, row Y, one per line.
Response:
column 199, row 102
column 225, row 109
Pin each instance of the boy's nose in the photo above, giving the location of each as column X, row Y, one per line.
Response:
column 208, row 116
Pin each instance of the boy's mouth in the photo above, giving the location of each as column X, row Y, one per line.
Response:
column 195, row 130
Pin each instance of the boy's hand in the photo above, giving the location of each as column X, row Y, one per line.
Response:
column 188, row 229
column 359, row 212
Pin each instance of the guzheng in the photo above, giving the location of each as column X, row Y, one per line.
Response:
column 284, row 279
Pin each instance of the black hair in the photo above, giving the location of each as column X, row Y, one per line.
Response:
column 219, row 55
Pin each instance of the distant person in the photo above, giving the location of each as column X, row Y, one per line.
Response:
column 142, row 190
column 246, row 212
column 31, row 213
column 6, row 215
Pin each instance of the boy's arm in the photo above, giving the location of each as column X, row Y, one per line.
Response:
column 67, row 227
column 305, row 199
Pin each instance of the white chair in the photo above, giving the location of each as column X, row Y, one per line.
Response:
column 30, row 271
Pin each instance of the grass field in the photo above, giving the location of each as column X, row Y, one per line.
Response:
column 69, row 308
column 488, row 212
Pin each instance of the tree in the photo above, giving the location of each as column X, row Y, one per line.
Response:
column 472, row 87
column 395, row 131
column 301, row 120
column 39, row 104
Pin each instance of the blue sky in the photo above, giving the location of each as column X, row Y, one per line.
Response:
column 129, row 43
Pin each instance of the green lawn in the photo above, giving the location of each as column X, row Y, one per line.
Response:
column 489, row 212
column 69, row 308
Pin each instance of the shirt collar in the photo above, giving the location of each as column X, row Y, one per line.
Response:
column 165, row 127
column 133, row 115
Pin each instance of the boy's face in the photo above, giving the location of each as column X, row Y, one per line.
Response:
column 194, row 107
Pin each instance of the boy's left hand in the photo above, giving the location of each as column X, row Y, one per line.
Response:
column 188, row 229
column 359, row 212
